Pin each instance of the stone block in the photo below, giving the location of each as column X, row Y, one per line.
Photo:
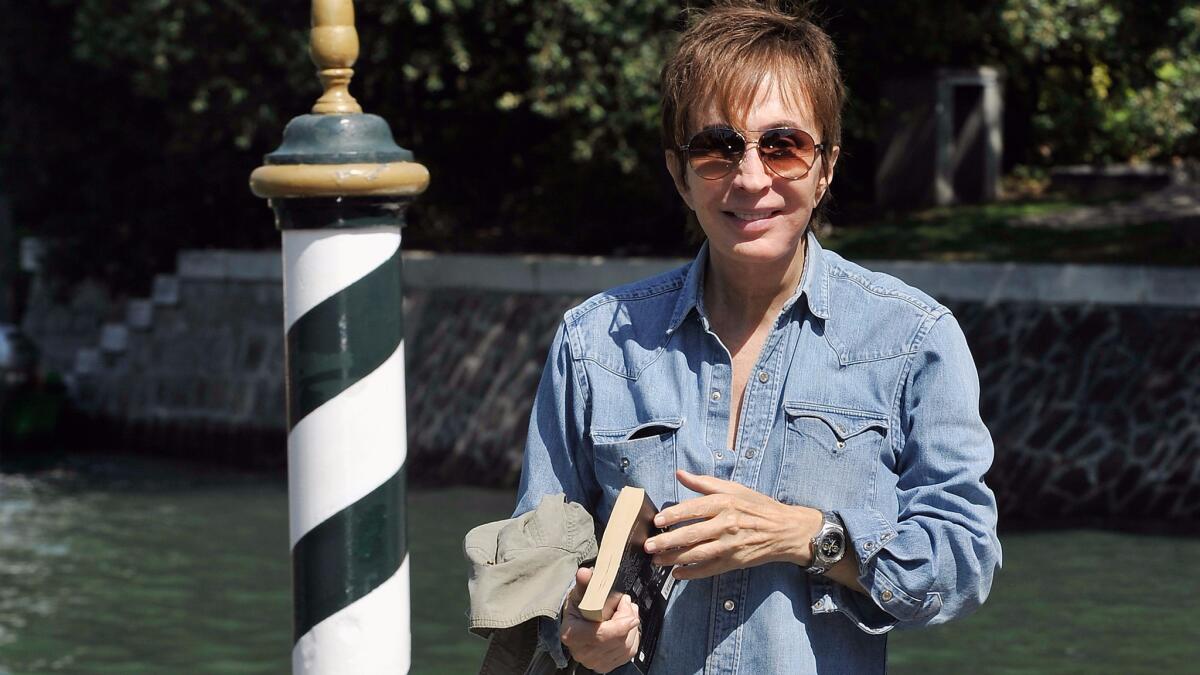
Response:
column 139, row 314
column 33, row 250
column 114, row 338
column 555, row 274
column 166, row 290
column 87, row 361
column 1173, row 287
column 202, row 265
column 253, row 266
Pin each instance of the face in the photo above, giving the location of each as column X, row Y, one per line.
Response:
column 753, row 215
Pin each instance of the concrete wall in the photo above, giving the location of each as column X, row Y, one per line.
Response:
column 1090, row 374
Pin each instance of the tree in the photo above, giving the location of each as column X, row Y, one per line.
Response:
column 129, row 133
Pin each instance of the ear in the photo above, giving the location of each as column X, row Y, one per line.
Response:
column 827, row 173
column 679, row 176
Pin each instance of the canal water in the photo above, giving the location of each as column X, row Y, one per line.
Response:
column 129, row 565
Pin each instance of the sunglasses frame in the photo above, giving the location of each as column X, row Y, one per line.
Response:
column 818, row 151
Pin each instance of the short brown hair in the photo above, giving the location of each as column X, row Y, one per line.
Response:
column 724, row 54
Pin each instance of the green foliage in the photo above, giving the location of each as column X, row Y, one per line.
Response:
column 1115, row 80
column 132, row 126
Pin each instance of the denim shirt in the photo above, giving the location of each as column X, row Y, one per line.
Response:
column 864, row 402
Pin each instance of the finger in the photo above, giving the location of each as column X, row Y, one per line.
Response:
column 709, row 485
column 691, row 555
column 582, row 576
column 697, row 508
column 624, row 620
column 684, row 537
column 703, row 570
column 708, row 551
column 624, row 608
column 632, row 641
column 610, row 606
column 628, row 611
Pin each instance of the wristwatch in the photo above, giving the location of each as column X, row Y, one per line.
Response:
column 829, row 545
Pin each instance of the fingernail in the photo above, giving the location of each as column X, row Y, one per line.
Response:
column 651, row 547
column 659, row 520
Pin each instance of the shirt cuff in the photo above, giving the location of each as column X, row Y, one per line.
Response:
column 869, row 533
column 829, row 597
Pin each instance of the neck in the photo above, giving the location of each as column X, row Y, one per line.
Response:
column 742, row 295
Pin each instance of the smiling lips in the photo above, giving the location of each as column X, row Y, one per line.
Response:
column 751, row 216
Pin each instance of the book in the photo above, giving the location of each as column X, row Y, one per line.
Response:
column 622, row 566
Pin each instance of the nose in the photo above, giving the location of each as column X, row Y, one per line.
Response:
column 751, row 174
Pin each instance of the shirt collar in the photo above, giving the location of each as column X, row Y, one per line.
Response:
column 689, row 295
column 814, row 286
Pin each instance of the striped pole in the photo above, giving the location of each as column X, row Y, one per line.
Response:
column 339, row 186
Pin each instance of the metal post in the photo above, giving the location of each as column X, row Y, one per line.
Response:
column 339, row 186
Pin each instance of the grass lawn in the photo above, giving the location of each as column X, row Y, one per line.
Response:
column 984, row 233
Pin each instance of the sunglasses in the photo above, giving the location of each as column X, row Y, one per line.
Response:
column 788, row 153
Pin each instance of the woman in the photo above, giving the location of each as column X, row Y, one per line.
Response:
column 811, row 427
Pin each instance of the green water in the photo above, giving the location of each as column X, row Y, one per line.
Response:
column 128, row 566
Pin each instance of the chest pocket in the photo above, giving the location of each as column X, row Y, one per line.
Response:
column 831, row 456
column 642, row 456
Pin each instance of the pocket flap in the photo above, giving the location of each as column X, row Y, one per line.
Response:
column 643, row 430
column 843, row 422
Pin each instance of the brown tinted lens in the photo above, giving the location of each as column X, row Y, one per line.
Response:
column 788, row 152
column 713, row 153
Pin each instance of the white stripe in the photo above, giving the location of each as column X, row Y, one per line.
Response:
column 319, row 263
column 368, row 637
column 347, row 447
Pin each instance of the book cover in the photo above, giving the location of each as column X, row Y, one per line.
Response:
column 622, row 566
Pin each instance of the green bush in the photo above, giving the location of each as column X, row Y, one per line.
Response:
column 130, row 133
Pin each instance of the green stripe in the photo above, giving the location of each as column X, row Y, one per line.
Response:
column 339, row 213
column 349, row 555
column 343, row 339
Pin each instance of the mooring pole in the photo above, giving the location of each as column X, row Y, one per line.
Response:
column 339, row 186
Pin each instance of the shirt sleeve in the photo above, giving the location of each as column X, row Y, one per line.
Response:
column 936, row 562
column 557, row 452
column 557, row 455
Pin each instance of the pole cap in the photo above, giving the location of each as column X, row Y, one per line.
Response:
column 337, row 151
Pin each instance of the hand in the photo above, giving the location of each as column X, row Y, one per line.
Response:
column 734, row 527
column 608, row 644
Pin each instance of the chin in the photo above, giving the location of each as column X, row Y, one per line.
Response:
column 763, row 248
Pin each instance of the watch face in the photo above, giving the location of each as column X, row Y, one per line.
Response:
column 830, row 546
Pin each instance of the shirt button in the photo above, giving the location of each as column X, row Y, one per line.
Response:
column 763, row 376
column 716, row 395
column 750, row 453
column 869, row 545
column 886, row 595
column 729, row 605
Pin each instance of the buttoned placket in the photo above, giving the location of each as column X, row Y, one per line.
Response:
column 760, row 402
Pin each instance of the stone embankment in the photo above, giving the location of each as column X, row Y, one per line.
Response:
column 1090, row 374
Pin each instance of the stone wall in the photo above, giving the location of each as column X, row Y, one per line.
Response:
column 1090, row 375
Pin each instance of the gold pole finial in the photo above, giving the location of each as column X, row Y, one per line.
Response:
column 334, row 46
